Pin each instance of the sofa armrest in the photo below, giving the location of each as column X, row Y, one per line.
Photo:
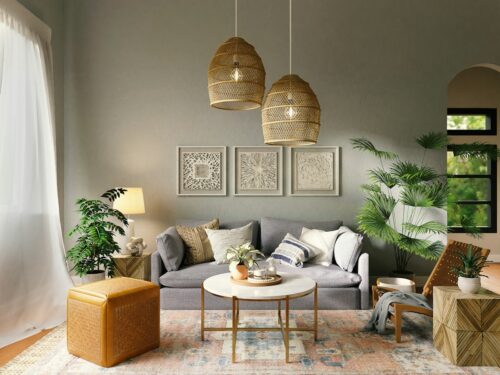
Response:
column 157, row 268
column 364, row 286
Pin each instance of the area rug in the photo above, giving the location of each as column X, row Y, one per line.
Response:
column 342, row 348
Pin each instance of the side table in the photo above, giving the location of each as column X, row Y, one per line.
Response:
column 131, row 266
column 466, row 327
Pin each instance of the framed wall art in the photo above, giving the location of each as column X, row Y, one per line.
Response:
column 314, row 171
column 201, row 170
column 258, row 170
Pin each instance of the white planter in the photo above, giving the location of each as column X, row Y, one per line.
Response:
column 93, row 277
column 469, row 285
column 398, row 283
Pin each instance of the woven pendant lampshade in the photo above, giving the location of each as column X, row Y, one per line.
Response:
column 291, row 113
column 236, row 76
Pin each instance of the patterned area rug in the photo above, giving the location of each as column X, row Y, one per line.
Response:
column 342, row 348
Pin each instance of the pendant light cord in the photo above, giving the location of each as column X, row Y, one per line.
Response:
column 235, row 17
column 290, row 36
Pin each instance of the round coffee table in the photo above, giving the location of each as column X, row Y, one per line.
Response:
column 292, row 286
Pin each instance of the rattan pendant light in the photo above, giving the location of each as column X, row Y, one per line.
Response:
column 236, row 75
column 291, row 111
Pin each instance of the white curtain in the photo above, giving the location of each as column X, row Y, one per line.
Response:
column 33, row 275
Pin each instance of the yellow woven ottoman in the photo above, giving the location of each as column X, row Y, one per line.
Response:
column 112, row 320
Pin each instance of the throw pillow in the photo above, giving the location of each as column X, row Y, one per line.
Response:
column 323, row 242
column 198, row 249
column 171, row 249
column 347, row 249
column 222, row 239
column 293, row 252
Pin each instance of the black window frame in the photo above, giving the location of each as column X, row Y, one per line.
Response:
column 491, row 113
column 492, row 202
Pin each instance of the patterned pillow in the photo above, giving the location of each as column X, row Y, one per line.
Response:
column 198, row 249
column 293, row 252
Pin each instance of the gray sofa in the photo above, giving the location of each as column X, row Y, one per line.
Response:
column 180, row 290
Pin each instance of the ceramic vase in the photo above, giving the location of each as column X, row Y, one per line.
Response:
column 240, row 272
column 469, row 285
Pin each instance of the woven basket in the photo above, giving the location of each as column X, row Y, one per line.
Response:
column 227, row 93
column 291, row 113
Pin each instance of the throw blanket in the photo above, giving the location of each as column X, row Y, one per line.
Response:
column 381, row 310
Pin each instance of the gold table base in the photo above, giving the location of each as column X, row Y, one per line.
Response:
column 285, row 329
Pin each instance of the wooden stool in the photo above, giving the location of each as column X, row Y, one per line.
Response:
column 112, row 320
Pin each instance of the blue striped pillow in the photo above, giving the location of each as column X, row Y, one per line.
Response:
column 293, row 252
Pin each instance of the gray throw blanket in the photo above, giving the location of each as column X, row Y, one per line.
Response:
column 381, row 310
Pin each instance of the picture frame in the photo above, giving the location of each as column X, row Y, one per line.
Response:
column 201, row 170
column 258, row 171
column 314, row 171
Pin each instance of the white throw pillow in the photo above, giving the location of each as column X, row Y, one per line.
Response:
column 347, row 248
column 323, row 242
column 222, row 239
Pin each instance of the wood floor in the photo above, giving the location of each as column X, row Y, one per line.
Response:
column 10, row 351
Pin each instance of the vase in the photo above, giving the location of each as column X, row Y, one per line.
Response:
column 93, row 277
column 469, row 285
column 240, row 272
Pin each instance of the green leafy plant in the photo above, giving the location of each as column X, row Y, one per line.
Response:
column 244, row 254
column 95, row 244
column 471, row 265
column 410, row 186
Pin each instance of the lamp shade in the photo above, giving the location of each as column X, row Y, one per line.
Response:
column 236, row 76
column 291, row 113
column 130, row 203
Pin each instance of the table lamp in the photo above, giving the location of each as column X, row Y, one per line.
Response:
column 130, row 203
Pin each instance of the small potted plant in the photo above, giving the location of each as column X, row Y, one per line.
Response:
column 469, row 270
column 91, row 255
column 241, row 258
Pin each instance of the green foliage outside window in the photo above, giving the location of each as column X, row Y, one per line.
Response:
column 466, row 122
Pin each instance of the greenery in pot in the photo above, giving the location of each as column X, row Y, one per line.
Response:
column 471, row 264
column 93, row 249
column 244, row 254
column 411, row 188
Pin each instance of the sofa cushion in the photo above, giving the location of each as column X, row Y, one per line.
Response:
column 197, row 245
column 228, row 225
column 347, row 249
column 223, row 239
column 326, row 277
column 171, row 249
column 323, row 242
column 293, row 252
column 274, row 230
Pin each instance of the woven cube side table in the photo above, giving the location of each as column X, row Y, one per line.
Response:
column 112, row 320
column 466, row 327
column 138, row 267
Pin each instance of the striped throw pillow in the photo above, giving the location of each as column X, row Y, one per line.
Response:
column 293, row 252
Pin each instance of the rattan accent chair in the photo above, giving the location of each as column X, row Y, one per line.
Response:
column 441, row 275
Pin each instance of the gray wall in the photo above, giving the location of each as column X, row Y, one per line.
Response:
column 51, row 12
column 135, row 88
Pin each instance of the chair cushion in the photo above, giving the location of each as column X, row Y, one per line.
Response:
column 326, row 277
column 274, row 230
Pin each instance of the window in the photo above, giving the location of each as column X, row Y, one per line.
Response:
column 472, row 121
column 471, row 181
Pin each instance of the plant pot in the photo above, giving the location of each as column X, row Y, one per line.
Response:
column 410, row 275
column 93, row 277
column 469, row 285
column 240, row 272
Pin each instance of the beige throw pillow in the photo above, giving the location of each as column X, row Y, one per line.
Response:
column 222, row 239
column 198, row 249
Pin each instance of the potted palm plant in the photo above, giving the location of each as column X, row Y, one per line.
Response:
column 241, row 259
column 398, row 198
column 91, row 255
column 469, row 270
